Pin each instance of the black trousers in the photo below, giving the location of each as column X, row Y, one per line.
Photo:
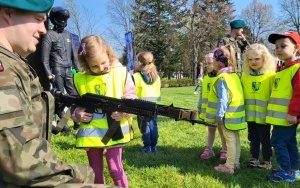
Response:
column 63, row 79
column 259, row 134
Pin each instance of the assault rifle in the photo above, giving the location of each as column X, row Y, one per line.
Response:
column 93, row 102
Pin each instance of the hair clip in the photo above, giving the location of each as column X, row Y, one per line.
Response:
column 83, row 52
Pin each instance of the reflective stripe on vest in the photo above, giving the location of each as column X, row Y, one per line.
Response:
column 235, row 113
column 206, row 87
column 257, row 90
column 145, row 91
column 281, row 95
column 111, row 84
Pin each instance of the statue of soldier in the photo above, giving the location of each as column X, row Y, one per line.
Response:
column 27, row 159
column 237, row 40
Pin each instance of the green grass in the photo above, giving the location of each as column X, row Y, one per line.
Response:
column 177, row 163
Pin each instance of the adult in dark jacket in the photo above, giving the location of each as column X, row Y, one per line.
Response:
column 58, row 53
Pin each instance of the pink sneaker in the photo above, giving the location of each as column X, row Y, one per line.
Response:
column 207, row 153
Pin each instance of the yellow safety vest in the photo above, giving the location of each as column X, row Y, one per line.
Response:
column 235, row 114
column 281, row 95
column 145, row 91
column 206, row 87
column 110, row 84
column 257, row 90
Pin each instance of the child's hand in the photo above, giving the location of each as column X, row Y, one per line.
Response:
column 117, row 115
column 291, row 119
column 83, row 116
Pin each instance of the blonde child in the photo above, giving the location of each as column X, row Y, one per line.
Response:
column 283, row 111
column 102, row 74
column 226, row 106
column 147, row 84
column 257, row 79
column 202, row 102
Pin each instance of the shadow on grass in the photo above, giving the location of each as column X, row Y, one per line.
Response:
column 186, row 160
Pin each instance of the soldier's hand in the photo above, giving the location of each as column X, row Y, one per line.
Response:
column 241, row 37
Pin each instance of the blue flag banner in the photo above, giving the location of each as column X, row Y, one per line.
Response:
column 130, row 51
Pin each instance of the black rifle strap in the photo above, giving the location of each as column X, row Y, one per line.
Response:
column 114, row 131
column 47, row 127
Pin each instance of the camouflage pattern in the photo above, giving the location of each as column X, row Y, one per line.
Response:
column 239, row 47
column 27, row 159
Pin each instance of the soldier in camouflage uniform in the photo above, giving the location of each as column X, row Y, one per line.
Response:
column 237, row 40
column 27, row 159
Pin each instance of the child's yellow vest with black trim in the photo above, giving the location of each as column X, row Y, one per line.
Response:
column 145, row 91
column 110, row 84
column 235, row 113
column 257, row 90
column 281, row 95
column 206, row 87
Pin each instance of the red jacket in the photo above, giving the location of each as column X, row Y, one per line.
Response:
column 294, row 106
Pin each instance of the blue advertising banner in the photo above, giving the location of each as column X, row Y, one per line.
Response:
column 130, row 51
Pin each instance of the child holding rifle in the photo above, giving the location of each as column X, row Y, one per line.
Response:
column 102, row 74
column 148, row 84
column 202, row 103
column 283, row 111
column 226, row 106
column 257, row 80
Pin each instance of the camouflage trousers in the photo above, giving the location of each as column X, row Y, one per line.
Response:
column 27, row 160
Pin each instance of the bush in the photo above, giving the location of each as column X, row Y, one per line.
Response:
column 176, row 82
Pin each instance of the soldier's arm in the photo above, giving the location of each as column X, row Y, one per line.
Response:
column 45, row 54
column 244, row 44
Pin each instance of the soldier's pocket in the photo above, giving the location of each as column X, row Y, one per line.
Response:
column 11, row 112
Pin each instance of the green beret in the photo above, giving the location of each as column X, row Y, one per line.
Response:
column 28, row 5
column 236, row 24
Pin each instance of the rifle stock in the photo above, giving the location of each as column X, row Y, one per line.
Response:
column 132, row 106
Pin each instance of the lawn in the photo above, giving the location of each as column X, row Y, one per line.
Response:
column 177, row 163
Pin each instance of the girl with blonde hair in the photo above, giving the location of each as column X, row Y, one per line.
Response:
column 104, row 75
column 257, row 80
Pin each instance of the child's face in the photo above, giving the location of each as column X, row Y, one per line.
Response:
column 255, row 60
column 99, row 64
column 285, row 49
column 216, row 65
column 209, row 67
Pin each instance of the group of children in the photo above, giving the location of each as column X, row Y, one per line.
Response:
column 260, row 99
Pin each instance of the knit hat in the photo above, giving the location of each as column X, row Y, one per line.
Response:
column 291, row 34
column 237, row 24
column 28, row 5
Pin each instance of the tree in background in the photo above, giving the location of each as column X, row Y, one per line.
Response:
column 290, row 10
column 207, row 22
column 82, row 21
column 259, row 20
column 120, row 13
column 156, row 25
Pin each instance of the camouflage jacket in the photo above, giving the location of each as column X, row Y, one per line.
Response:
column 26, row 157
column 238, row 45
